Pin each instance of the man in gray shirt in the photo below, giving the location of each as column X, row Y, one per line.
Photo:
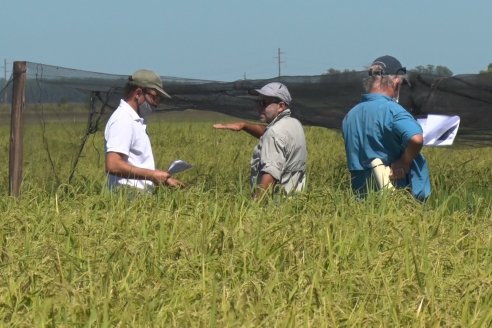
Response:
column 279, row 159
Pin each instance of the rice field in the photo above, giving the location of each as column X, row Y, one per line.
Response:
column 73, row 254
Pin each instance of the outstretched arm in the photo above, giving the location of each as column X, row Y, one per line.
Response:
column 117, row 164
column 256, row 130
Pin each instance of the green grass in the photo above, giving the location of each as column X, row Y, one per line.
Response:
column 76, row 255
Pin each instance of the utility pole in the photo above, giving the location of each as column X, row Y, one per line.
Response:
column 279, row 59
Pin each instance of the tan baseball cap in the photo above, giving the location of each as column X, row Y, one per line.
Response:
column 147, row 79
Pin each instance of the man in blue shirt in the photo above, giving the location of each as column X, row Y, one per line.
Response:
column 379, row 128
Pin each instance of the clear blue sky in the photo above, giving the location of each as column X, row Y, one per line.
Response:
column 227, row 39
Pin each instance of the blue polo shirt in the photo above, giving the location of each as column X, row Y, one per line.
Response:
column 378, row 127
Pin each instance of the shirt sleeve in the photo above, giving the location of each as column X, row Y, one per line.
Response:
column 406, row 126
column 118, row 136
column 273, row 156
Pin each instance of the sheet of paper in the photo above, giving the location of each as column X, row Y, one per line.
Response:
column 178, row 166
column 439, row 130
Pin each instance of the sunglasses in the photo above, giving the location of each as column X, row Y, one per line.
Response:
column 267, row 102
column 156, row 98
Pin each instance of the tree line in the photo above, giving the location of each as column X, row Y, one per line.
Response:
column 437, row 70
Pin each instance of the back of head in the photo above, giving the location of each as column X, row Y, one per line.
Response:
column 387, row 65
column 382, row 70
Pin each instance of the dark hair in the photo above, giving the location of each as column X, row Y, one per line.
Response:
column 129, row 89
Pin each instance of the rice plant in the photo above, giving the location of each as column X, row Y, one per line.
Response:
column 73, row 254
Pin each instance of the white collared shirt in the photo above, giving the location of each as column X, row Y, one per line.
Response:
column 126, row 133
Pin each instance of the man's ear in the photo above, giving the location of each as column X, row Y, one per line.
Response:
column 138, row 93
column 397, row 79
column 283, row 106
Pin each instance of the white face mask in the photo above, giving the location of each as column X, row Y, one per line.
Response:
column 145, row 109
column 396, row 96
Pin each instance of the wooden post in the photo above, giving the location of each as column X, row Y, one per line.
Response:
column 17, row 127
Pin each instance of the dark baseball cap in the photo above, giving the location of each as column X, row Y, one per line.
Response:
column 388, row 65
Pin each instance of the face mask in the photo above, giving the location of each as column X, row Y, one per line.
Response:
column 145, row 109
column 396, row 97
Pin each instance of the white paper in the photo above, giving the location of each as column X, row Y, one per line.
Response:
column 178, row 166
column 439, row 130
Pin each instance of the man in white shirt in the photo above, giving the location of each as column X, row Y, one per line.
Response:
column 129, row 157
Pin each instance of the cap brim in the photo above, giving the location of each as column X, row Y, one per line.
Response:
column 163, row 93
column 258, row 92
column 254, row 92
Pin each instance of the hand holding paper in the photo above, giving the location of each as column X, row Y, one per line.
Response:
column 178, row 166
column 439, row 130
